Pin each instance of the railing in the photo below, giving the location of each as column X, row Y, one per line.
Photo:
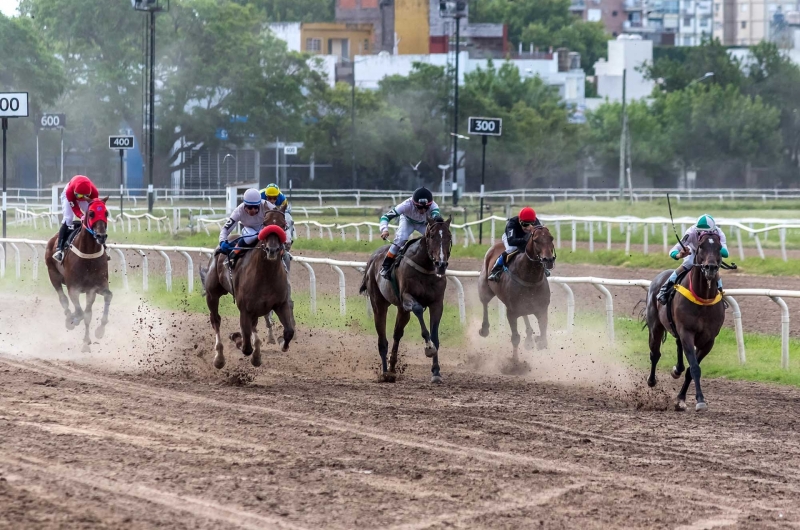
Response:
column 601, row 284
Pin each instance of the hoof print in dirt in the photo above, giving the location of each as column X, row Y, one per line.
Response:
column 515, row 368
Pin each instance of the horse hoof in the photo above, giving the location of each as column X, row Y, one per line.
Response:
column 100, row 332
column 484, row 332
column 86, row 349
column 271, row 340
column 541, row 344
column 285, row 347
column 70, row 325
column 512, row 367
column 436, row 379
column 255, row 360
column 219, row 361
column 680, row 406
column 675, row 373
column 701, row 406
column 387, row 377
column 651, row 382
column 430, row 351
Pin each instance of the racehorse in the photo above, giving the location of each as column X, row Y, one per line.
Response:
column 697, row 314
column 84, row 269
column 259, row 284
column 523, row 288
column 291, row 234
column 418, row 283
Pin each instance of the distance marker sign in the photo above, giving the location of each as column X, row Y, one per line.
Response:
column 120, row 142
column 13, row 104
column 51, row 121
column 486, row 126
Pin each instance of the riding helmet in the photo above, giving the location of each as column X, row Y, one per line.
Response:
column 422, row 197
column 272, row 190
column 252, row 197
column 706, row 222
column 83, row 186
column 527, row 215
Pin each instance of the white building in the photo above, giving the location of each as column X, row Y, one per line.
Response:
column 627, row 53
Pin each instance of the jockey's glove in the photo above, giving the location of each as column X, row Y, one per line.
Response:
column 225, row 246
column 674, row 254
column 723, row 252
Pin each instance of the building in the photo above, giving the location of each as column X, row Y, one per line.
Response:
column 380, row 14
column 612, row 13
column 748, row 22
column 628, row 54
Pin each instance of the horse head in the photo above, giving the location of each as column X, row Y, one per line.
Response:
column 709, row 255
column 273, row 235
column 540, row 247
column 96, row 220
column 439, row 241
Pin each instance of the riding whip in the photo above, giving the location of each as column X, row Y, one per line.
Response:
column 669, row 204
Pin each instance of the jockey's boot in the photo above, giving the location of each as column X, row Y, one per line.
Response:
column 719, row 285
column 663, row 294
column 387, row 265
column 63, row 232
column 232, row 257
column 497, row 270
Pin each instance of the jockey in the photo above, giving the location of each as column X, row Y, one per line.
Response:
column 705, row 224
column 518, row 230
column 75, row 201
column 413, row 213
column 251, row 214
column 272, row 193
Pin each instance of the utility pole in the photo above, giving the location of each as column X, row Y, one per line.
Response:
column 623, row 139
column 455, row 117
column 151, row 108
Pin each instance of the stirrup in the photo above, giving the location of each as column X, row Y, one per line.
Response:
column 59, row 256
column 385, row 272
column 495, row 275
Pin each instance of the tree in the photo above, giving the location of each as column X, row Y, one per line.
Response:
column 295, row 10
column 678, row 69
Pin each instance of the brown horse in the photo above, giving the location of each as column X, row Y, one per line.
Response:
column 420, row 283
column 84, row 269
column 523, row 288
column 259, row 284
column 697, row 323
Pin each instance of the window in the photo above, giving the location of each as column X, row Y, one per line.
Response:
column 314, row 45
column 716, row 7
column 687, row 41
column 613, row 13
column 687, row 21
column 703, row 22
column 744, row 24
column 743, row 8
column 366, row 45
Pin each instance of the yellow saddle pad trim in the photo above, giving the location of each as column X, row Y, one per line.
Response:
column 699, row 301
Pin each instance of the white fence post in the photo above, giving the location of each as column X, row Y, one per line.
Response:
column 342, row 294
column 144, row 270
column 312, row 287
column 462, row 309
column 123, row 268
column 574, row 235
column 189, row 270
column 737, row 324
column 609, row 310
column 784, row 331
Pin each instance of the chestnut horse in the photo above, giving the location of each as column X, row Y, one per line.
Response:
column 698, row 316
column 84, row 269
column 419, row 284
column 523, row 288
column 259, row 284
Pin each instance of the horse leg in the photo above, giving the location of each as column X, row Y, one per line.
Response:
column 399, row 327
column 512, row 323
column 57, row 281
column 107, row 296
column 529, row 336
column 75, row 296
column 213, row 306
column 541, row 317
column 270, row 324
column 379, row 309
column 246, row 325
column 436, row 317
column 656, row 335
column 485, row 294
column 410, row 304
column 694, row 370
column 678, row 369
column 680, row 403
column 255, row 360
column 285, row 314
column 87, row 320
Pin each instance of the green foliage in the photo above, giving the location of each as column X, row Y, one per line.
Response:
column 295, row 10
column 681, row 68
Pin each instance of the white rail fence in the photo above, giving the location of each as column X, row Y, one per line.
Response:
column 601, row 284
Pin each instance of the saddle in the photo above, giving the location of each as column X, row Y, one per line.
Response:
column 670, row 298
column 397, row 260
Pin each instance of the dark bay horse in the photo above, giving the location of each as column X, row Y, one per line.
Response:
column 523, row 288
column 259, row 284
column 84, row 269
column 698, row 316
column 421, row 283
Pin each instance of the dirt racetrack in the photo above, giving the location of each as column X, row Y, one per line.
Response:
column 144, row 433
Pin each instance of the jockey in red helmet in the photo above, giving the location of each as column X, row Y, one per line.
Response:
column 518, row 230
column 75, row 201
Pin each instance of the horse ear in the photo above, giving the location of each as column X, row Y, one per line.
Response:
column 106, row 199
column 449, row 220
column 284, row 206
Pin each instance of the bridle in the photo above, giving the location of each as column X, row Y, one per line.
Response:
column 706, row 268
column 429, row 230
column 537, row 258
column 263, row 244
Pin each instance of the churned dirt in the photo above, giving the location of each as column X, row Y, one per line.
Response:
column 144, row 433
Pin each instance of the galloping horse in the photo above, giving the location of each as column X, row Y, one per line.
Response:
column 83, row 270
column 419, row 283
column 697, row 314
column 259, row 284
column 523, row 288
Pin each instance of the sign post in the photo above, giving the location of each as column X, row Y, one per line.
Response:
column 484, row 127
column 50, row 122
column 121, row 143
column 12, row 105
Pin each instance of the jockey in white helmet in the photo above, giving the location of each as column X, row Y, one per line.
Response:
column 251, row 216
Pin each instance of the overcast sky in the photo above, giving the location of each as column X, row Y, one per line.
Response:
column 9, row 7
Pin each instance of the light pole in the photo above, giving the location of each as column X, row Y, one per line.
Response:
column 454, row 9
column 444, row 169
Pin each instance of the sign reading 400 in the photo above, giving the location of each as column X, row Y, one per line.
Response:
column 120, row 142
column 13, row 104
column 486, row 126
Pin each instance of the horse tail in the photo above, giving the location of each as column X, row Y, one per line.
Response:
column 363, row 288
column 642, row 313
column 203, row 274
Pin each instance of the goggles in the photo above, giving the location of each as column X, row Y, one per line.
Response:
column 422, row 206
column 526, row 224
column 80, row 196
column 251, row 207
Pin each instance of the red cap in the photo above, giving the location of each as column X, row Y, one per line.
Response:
column 83, row 185
column 527, row 215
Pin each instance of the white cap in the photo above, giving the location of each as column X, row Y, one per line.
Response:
column 252, row 197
